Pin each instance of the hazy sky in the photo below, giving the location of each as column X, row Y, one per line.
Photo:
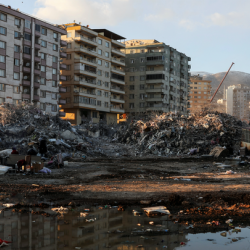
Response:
column 214, row 33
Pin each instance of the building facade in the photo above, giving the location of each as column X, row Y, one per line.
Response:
column 30, row 60
column 94, row 75
column 238, row 101
column 200, row 93
column 157, row 78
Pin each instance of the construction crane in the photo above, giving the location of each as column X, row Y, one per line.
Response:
column 221, row 82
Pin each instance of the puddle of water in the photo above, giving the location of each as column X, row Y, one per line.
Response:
column 108, row 228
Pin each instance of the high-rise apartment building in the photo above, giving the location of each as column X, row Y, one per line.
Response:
column 30, row 60
column 200, row 92
column 238, row 101
column 157, row 77
column 94, row 74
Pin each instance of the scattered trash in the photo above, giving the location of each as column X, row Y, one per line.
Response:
column 229, row 221
column 159, row 209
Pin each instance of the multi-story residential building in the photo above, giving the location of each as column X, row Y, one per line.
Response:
column 200, row 92
column 94, row 74
column 157, row 77
column 29, row 60
column 238, row 101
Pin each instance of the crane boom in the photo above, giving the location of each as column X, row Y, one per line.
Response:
column 221, row 83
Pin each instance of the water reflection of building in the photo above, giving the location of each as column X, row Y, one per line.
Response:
column 28, row 231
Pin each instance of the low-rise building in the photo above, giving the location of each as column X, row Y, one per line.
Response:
column 94, row 75
column 157, row 77
column 30, row 52
column 200, row 93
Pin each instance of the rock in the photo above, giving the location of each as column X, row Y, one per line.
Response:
column 30, row 129
column 219, row 152
column 68, row 135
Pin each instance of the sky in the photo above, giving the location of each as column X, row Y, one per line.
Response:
column 214, row 33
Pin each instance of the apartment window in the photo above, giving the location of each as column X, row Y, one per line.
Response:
column 43, row 94
column 54, row 96
column 195, row 87
column 99, row 52
column 43, row 56
column 107, row 44
column 132, row 60
column 54, row 83
column 205, row 87
column 2, row 100
column 142, row 104
column 142, row 68
column 205, row 93
column 131, row 105
column 69, row 34
column 68, row 67
column 99, row 72
column 106, row 84
column 3, row 31
column 106, row 94
column 26, row 50
column 27, row 24
column 2, row 45
column 107, row 54
column 55, row 47
column 142, row 86
column 16, row 89
column 17, row 22
column 142, row 51
column 106, row 74
column 42, row 106
column 100, row 41
column 132, row 51
column 27, row 36
column 131, row 87
column 68, row 56
column 94, row 114
column 199, row 83
column 3, row 17
column 199, row 97
column 43, row 43
column 132, row 69
column 106, row 64
column 43, row 68
column 99, row 92
column 55, row 35
column 17, row 35
column 142, row 78
column 43, row 81
column 16, row 62
column 99, row 103
column 142, row 59
column 2, row 59
column 16, row 76
column 68, row 78
column 131, row 78
column 205, row 83
column 55, row 59
column 53, row 108
column 131, row 96
column 37, row 27
column 2, row 87
column 99, row 62
column 44, row 31
column 2, row 73
column 199, row 92
column 54, row 71
column 106, row 104
column 99, row 82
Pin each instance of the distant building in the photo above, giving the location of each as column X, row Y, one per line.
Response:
column 157, row 77
column 238, row 101
column 200, row 93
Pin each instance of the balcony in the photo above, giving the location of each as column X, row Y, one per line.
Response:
column 26, row 70
column 86, row 51
column 37, row 46
column 91, row 62
column 63, row 66
column 189, row 59
column 63, row 55
column 62, row 101
column 87, row 40
column 117, row 90
column 63, row 43
column 189, row 66
column 85, row 93
column 85, row 71
column 36, row 85
column 118, row 70
column 115, row 80
column 117, row 110
column 155, row 62
column 36, row 98
column 117, row 52
column 154, row 99
column 26, row 56
column 62, row 90
column 85, row 83
column 155, row 90
column 156, row 71
column 155, row 81
column 26, row 83
column 37, row 71
column 116, row 99
column 62, row 114
column 118, row 61
column 37, row 59
column 158, row 107
column 62, row 78
column 26, row 96
column 119, row 44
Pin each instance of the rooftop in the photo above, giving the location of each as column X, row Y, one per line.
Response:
column 109, row 34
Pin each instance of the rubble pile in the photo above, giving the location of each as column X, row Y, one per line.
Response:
column 175, row 134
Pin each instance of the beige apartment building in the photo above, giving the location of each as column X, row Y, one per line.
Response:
column 200, row 93
column 30, row 52
column 157, row 78
column 94, row 75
